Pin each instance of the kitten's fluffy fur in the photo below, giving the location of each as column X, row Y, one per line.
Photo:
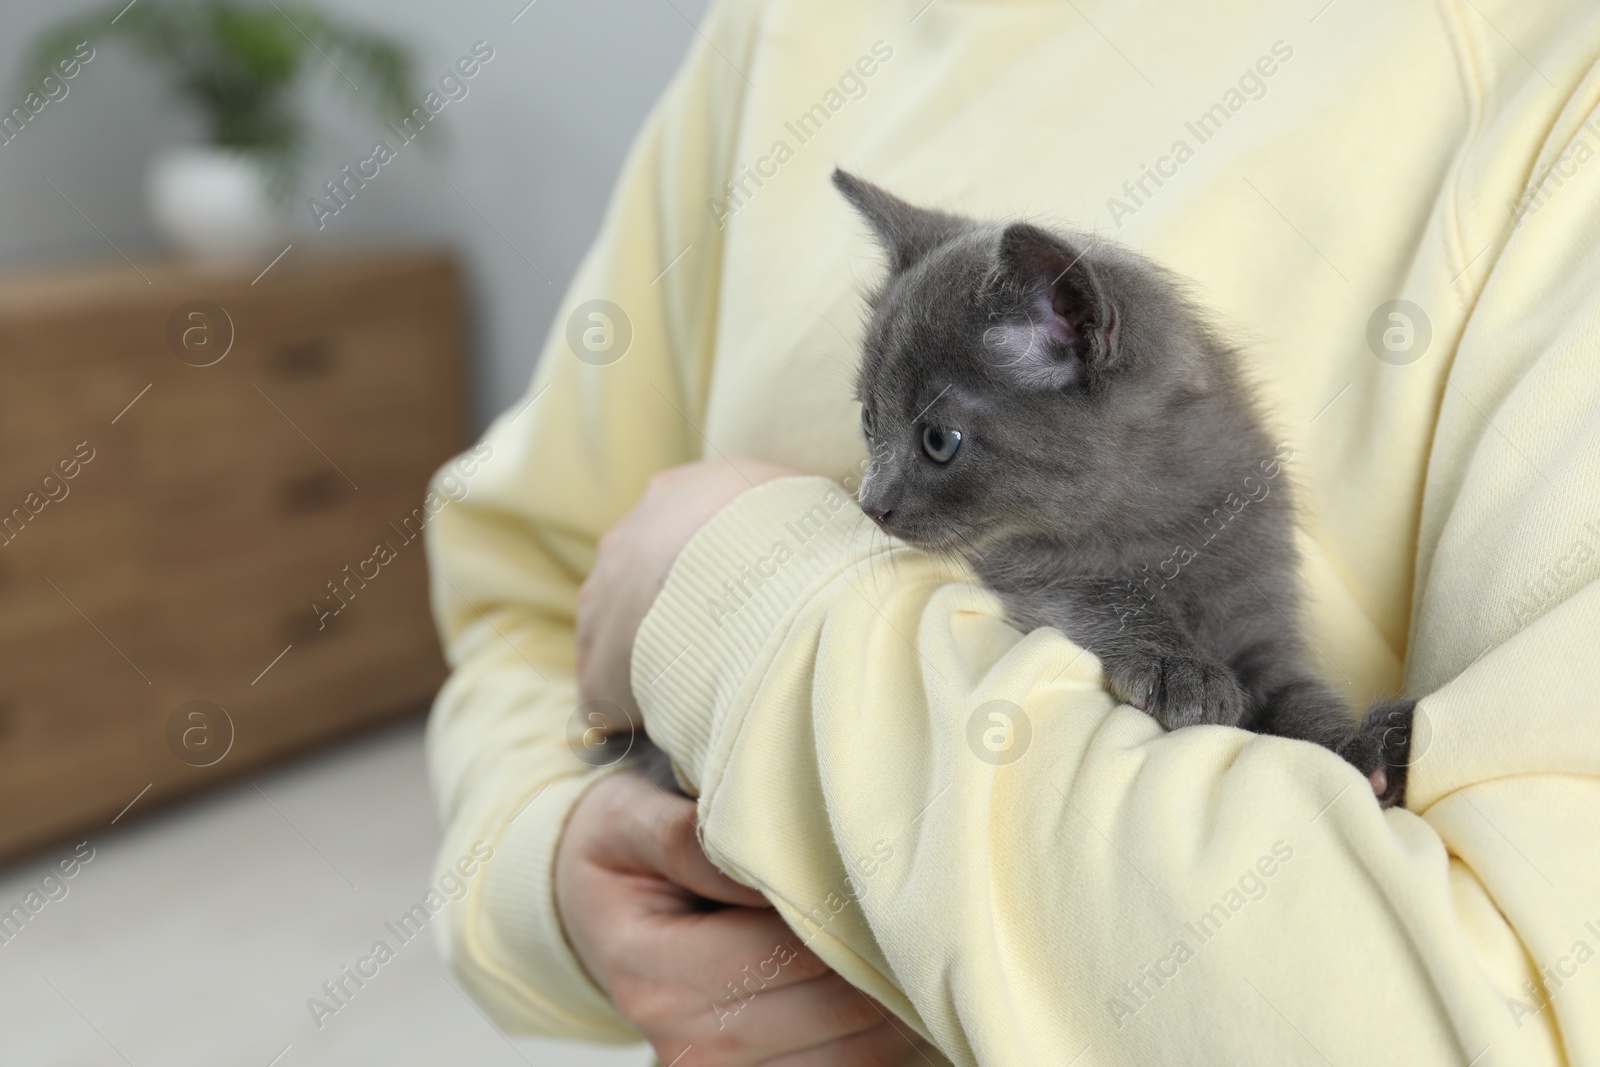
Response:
column 1101, row 423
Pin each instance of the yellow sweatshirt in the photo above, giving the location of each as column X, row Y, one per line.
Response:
column 956, row 815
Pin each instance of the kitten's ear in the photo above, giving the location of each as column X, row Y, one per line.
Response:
column 907, row 232
column 1071, row 331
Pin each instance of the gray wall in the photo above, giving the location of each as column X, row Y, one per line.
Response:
column 535, row 146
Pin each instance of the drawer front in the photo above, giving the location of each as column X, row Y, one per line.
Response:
column 80, row 726
column 339, row 398
column 68, row 545
column 86, row 709
column 183, row 562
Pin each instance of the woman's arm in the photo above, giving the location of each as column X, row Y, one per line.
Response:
column 959, row 819
column 553, row 473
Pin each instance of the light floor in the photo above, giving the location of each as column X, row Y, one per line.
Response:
column 195, row 937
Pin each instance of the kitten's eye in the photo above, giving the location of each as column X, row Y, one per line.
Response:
column 866, row 422
column 940, row 444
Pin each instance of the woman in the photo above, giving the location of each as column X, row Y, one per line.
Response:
column 1391, row 204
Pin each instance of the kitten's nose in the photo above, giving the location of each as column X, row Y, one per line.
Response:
column 877, row 496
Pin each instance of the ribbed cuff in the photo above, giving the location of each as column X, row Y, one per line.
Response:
column 732, row 589
column 519, row 915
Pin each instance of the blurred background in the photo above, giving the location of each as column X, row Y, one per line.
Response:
column 224, row 383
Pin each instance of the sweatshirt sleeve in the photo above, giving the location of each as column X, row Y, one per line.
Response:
column 513, row 533
column 962, row 821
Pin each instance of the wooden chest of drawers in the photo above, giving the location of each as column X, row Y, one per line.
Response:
column 188, row 465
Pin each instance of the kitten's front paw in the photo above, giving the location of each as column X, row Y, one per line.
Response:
column 1180, row 689
column 1381, row 749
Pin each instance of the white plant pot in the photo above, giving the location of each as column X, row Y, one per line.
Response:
column 213, row 205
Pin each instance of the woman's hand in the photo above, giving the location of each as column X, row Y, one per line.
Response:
column 632, row 884
column 734, row 984
column 632, row 565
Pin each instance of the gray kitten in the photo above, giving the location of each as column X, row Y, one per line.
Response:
column 1052, row 409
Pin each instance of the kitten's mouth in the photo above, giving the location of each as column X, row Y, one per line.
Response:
column 928, row 540
column 970, row 543
column 937, row 538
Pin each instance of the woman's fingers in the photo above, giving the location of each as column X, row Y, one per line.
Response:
column 724, row 983
column 651, row 831
column 736, row 954
column 670, row 843
column 633, row 558
column 881, row 1046
column 735, row 984
column 795, row 1017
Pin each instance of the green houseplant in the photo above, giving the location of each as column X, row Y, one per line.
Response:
column 239, row 63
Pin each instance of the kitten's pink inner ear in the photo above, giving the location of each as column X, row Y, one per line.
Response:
column 1069, row 322
column 1069, row 309
column 1078, row 315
